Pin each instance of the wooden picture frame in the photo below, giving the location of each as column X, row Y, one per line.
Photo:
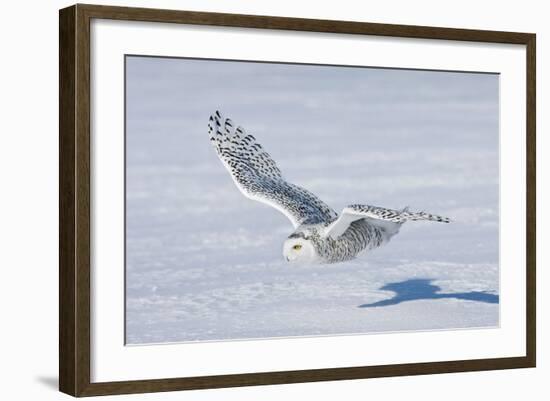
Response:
column 74, row 200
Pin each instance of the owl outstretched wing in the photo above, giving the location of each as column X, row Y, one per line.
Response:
column 388, row 219
column 257, row 176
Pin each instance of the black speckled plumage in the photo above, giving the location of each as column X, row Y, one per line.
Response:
column 334, row 238
column 259, row 178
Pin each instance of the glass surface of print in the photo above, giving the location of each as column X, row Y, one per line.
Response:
column 203, row 263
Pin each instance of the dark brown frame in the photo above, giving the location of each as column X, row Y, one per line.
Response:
column 74, row 199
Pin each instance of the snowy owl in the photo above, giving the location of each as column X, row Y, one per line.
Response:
column 320, row 235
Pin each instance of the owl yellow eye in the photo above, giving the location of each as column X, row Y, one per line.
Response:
column 297, row 247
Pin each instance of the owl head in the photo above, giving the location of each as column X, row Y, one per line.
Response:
column 299, row 249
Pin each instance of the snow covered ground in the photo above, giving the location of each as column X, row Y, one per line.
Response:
column 205, row 263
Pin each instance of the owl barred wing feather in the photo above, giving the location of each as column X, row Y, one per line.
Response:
column 258, row 177
column 388, row 219
column 396, row 216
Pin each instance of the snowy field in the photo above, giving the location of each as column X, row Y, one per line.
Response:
column 205, row 263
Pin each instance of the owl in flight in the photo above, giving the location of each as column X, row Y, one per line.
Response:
column 320, row 234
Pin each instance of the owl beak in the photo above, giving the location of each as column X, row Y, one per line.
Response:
column 287, row 258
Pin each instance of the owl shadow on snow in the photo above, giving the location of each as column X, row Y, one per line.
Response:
column 419, row 289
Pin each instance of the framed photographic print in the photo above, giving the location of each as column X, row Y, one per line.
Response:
column 250, row 200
